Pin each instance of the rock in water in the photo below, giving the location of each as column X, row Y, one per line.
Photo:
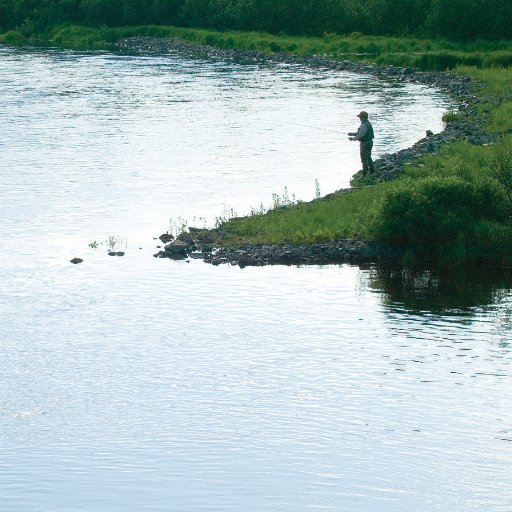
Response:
column 166, row 237
column 176, row 249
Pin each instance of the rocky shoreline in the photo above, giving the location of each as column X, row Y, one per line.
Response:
column 206, row 244
column 467, row 126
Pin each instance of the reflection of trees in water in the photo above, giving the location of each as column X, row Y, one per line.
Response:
column 455, row 308
column 442, row 291
column 504, row 327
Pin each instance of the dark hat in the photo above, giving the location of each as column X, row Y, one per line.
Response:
column 362, row 114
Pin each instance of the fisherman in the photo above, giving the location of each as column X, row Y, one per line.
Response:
column 365, row 137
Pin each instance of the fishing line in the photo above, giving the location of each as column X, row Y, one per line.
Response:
column 315, row 127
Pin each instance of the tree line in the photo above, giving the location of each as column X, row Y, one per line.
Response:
column 459, row 20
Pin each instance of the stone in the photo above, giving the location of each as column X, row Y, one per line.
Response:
column 176, row 248
column 186, row 237
column 166, row 237
column 75, row 261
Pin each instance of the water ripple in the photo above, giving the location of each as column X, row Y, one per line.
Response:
column 176, row 385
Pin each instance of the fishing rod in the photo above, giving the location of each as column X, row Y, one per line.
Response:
column 315, row 127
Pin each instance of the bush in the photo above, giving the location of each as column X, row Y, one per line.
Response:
column 437, row 211
column 501, row 165
column 101, row 12
column 12, row 37
column 466, row 20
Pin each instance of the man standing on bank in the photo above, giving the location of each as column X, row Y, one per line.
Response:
column 365, row 137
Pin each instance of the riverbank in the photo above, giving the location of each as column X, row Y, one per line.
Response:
column 467, row 125
column 452, row 201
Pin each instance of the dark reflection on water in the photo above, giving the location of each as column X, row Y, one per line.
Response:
column 456, row 290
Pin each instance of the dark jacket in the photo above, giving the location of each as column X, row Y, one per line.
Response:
column 365, row 131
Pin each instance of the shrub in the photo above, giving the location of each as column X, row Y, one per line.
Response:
column 12, row 37
column 501, row 165
column 437, row 211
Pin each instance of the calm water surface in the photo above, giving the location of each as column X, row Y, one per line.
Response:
column 150, row 385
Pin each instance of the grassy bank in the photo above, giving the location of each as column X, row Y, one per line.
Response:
column 454, row 207
column 424, row 54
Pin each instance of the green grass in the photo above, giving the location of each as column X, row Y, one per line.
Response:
column 452, row 207
column 400, row 51
column 345, row 216
column 495, row 94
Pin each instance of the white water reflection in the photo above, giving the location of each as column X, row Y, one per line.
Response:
column 141, row 384
column 141, row 140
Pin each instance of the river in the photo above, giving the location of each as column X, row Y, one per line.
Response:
column 135, row 383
